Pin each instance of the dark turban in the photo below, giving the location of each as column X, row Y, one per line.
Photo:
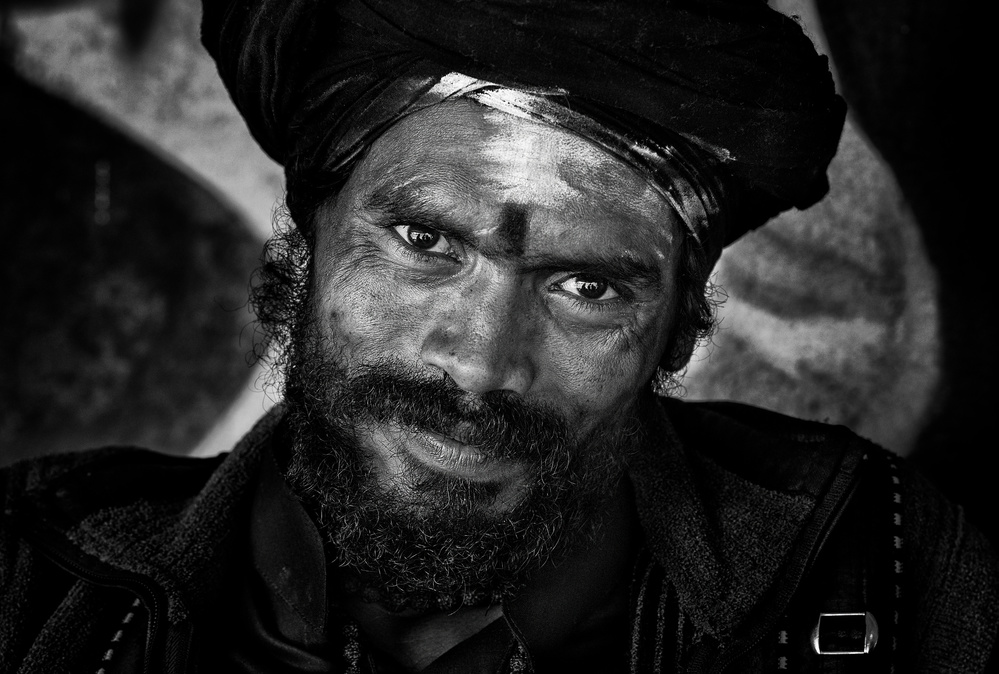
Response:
column 319, row 80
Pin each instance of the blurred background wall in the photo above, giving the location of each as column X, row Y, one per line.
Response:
column 145, row 204
column 864, row 310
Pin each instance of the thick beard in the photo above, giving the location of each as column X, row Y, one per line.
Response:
column 435, row 545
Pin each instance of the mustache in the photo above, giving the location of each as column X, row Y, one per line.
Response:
column 499, row 423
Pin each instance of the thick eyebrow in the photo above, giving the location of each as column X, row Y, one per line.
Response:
column 405, row 205
column 632, row 271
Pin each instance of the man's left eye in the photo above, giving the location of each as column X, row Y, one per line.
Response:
column 423, row 238
column 592, row 288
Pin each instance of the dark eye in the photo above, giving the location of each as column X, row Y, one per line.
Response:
column 588, row 287
column 423, row 238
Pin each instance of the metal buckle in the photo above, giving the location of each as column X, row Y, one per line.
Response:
column 845, row 634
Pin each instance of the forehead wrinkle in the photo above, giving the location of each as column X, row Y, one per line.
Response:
column 526, row 157
column 413, row 163
column 584, row 186
column 413, row 176
column 625, row 194
column 577, row 177
column 422, row 196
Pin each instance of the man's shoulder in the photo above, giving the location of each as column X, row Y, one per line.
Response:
column 84, row 504
column 110, row 477
column 106, row 477
column 745, row 420
column 950, row 571
column 764, row 446
column 126, row 512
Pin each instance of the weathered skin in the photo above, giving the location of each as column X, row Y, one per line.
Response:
column 519, row 222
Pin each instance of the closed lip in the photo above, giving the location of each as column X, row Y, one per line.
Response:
column 448, row 455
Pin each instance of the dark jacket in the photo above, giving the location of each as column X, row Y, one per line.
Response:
column 110, row 560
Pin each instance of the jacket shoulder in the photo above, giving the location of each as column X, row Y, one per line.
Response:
column 948, row 572
column 742, row 418
column 89, row 480
column 768, row 448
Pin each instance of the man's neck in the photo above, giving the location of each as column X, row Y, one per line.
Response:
column 560, row 599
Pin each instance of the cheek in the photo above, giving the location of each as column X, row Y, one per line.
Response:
column 364, row 307
column 601, row 378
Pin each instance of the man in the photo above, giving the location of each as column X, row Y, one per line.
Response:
column 503, row 218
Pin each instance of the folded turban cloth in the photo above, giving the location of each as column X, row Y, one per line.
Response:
column 724, row 103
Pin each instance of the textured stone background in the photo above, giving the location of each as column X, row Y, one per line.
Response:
column 830, row 313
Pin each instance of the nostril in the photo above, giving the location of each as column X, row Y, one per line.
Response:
column 479, row 361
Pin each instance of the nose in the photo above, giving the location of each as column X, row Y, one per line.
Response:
column 484, row 339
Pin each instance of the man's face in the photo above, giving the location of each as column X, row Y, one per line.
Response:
column 513, row 269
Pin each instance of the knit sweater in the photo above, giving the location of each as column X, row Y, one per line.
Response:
column 756, row 523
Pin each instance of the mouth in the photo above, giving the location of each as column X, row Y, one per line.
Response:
column 445, row 454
